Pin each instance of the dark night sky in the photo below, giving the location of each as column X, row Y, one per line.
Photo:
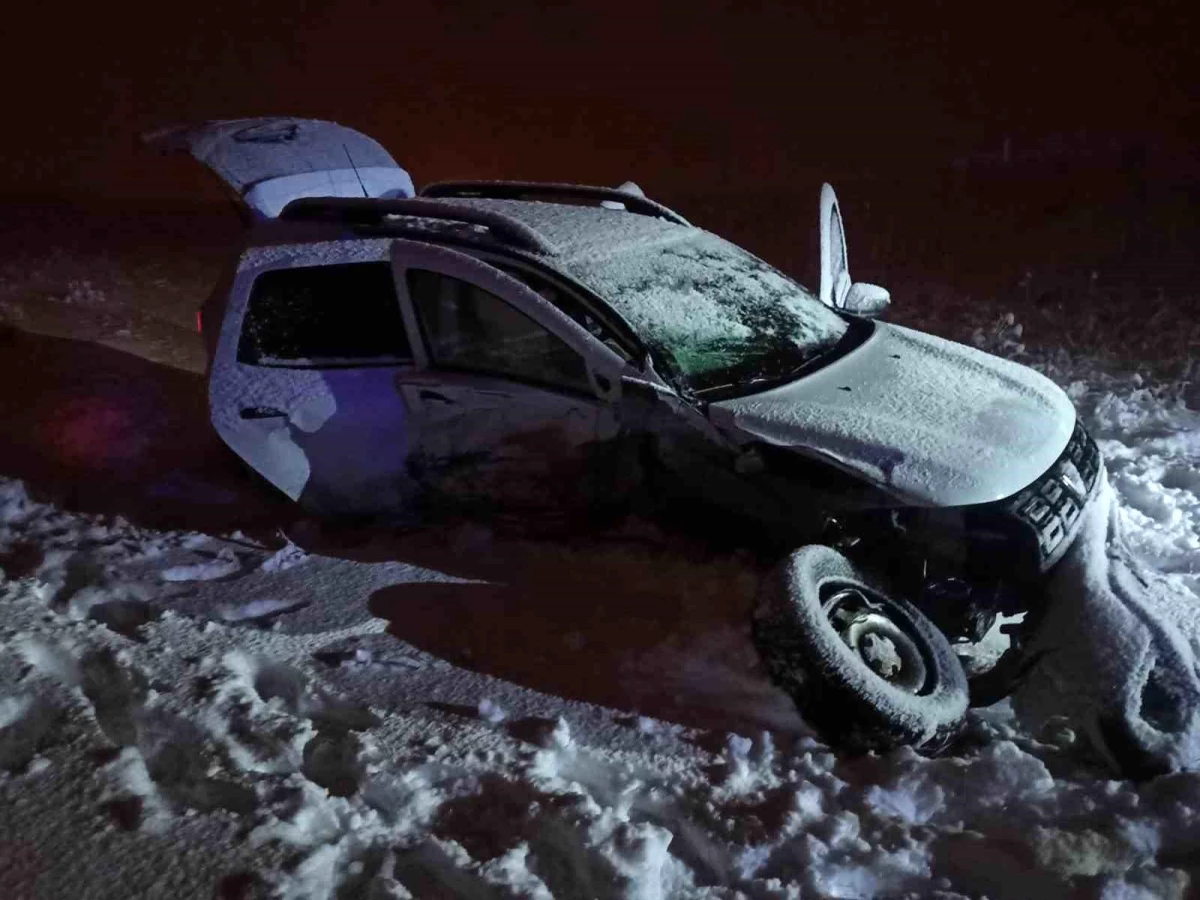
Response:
column 671, row 94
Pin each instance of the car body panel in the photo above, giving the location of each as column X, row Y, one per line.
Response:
column 936, row 422
column 488, row 443
column 268, row 162
column 344, row 435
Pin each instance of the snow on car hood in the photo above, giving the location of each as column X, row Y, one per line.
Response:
column 934, row 421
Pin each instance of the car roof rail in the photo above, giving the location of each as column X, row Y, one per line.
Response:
column 375, row 212
column 547, row 191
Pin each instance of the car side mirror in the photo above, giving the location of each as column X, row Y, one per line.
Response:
column 868, row 300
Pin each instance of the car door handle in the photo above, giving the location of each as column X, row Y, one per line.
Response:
column 433, row 395
column 262, row 412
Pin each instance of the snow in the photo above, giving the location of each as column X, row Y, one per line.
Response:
column 940, row 423
column 224, row 563
column 705, row 304
column 235, row 755
column 241, row 706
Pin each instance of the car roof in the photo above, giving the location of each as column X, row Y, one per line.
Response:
column 567, row 233
column 582, row 232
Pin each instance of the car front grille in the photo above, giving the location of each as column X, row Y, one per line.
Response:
column 1050, row 507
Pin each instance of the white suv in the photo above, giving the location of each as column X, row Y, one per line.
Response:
column 523, row 346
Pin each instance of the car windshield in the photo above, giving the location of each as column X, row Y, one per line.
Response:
column 724, row 320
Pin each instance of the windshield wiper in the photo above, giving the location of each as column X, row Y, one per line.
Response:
column 853, row 336
column 778, row 377
column 745, row 383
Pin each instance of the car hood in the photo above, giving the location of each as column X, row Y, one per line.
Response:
column 933, row 421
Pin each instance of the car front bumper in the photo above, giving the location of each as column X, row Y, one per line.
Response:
column 1048, row 512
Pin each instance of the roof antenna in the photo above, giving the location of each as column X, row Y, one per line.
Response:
column 355, row 168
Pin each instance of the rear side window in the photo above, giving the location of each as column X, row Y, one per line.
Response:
column 343, row 315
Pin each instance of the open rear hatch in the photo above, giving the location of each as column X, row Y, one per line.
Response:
column 268, row 162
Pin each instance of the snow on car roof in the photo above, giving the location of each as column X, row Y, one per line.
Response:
column 576, row 233
column 582, row 232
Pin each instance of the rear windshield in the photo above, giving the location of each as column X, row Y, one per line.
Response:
column 725, row 321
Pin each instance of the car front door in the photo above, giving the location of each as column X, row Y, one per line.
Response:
column 514, row 405
column 303, row 381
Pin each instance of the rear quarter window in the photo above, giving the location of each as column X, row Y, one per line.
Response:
column 339, row 315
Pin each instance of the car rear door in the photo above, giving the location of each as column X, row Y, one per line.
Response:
column 514, row 405
column 303, row 380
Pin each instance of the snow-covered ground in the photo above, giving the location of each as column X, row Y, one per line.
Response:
column 202, row 695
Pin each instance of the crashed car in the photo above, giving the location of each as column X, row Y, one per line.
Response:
column 500, row 346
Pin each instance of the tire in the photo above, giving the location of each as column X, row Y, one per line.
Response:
column 920, row 699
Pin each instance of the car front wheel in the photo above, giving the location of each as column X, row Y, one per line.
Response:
column 864, row 667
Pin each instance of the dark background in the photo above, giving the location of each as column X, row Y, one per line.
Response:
column 678, row 95
column 965, row 139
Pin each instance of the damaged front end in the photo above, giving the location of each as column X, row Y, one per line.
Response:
column 977, row 571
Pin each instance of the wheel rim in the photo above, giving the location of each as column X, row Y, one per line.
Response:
column 861, row 620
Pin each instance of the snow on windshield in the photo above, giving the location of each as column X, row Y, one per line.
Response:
column 717, row 313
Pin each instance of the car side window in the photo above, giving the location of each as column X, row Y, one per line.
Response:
column 469, row 328
column 339, row 315
column 564, row 301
